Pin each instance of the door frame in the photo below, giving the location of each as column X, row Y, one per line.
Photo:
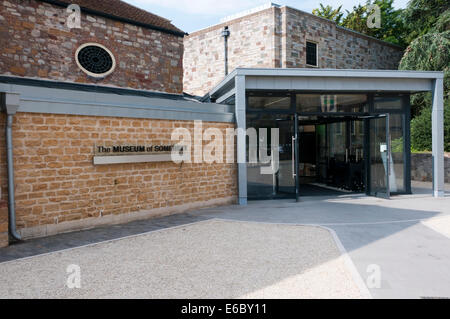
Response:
column 368, row 154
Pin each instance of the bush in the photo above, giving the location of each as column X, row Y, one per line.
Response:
column 421, row 135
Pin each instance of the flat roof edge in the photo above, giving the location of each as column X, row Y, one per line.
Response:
column 326, row 73
column 340, row 72
column 87, row 87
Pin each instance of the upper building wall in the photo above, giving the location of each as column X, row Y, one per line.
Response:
column 277, row 37
column 339, row 48
column 251, row 44
column 36, row 42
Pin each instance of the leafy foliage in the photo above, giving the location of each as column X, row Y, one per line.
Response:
column 430, row 52
column 421, row 134
column 428, row 27
column 422, row 16
column 392, row 26
column 329, row 13
column 443, row 23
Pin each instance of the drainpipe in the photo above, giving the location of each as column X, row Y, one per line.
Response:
column 225, row 35
column 10, row 103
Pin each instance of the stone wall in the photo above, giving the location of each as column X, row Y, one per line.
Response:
column 35, row 42
column 301, row 27
column 59, row 189
column 276, row 37
column 422, row 167
column 251, row 44
column 356, row 51
column 3, row 186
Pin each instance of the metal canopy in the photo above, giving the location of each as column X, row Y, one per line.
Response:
column 241, row 80
column 41, row 97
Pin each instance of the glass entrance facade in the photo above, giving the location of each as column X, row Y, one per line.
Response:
column 331, row 143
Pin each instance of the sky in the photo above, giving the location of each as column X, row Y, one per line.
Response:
column 192, row 15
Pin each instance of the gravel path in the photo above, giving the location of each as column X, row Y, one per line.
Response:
column 211, row 259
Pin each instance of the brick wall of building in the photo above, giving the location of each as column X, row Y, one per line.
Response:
column 3, row 186
column 251, row 44
column 285, row 44
column 354, row 51
column 36, row 42
column 56, row 181
column 299, row 28
column 339, row 48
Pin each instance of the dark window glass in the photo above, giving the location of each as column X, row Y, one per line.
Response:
column 269, row 102
column 95, row 59
column 397, row 177
column 332, row 103
column 263, row 186
column 388, row 103
column 311, row 53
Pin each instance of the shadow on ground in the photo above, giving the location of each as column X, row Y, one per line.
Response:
column 413, row 259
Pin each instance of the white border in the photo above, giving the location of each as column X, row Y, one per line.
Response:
column 126, row 159
column 95, row 75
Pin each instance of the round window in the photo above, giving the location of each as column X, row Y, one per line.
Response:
column 95, row 60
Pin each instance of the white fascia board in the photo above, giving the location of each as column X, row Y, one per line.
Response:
column 432, row 75
column 327, row 73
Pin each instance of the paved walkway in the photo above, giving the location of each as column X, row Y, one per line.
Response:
column 406, row 238
column 209, row 259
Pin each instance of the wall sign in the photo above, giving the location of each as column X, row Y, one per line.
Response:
column 121, row 154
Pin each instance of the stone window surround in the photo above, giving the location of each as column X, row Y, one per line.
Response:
column 94, row 75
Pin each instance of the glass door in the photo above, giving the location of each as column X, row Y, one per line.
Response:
column 379, row 162
column 285, row 179
column 281, row 183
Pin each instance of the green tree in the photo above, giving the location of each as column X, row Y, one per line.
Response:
column 392, row 23
column 392, row 26
column 357, row 20
column 443, row 22
column 421, row 136
column 329, row 13
column 422, row 16
column 430, row 52
column 427, row 24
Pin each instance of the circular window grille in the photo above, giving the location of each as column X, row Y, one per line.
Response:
column 95, row 60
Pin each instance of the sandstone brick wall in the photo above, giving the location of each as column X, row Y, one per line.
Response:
column 3, row 186
column 56, row 181
column 277, row 38
column 339, row 48
column 251, row 44
column 354, row 51
column 299, row 28
column 35, row 42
